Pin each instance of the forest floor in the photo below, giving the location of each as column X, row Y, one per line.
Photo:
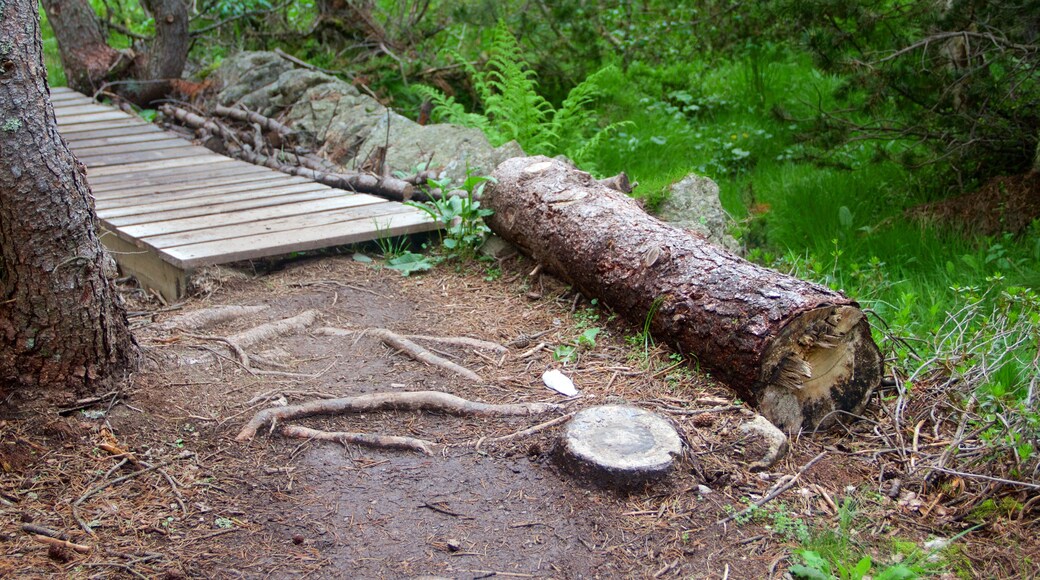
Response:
column 291, row 508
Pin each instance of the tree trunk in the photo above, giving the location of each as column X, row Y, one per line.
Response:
column 89, row 62
column 60, row 324
column 800, row 353
column 85, row 56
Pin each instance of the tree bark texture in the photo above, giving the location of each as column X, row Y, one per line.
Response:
column 60, row 324
column 800, row 353
column 89, row 61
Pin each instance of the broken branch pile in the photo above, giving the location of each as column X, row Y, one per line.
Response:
column 263, row 141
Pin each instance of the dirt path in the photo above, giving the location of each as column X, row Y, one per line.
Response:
column 284, row 508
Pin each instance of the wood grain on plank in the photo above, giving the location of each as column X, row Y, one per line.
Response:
column 132, row 216
column 288, row 213
column 374, row 210
column 133, row 158
column 214, row 203
column 224, row 251
column 162, row 164
column 164, row 175
column 193, row 189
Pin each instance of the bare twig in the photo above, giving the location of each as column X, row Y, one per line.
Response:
column 783, row 485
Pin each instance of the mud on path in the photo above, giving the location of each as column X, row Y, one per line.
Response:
column 290, row 508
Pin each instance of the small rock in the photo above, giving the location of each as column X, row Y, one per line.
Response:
column 771, row 438
column 704, row 490
column 453, row 545
column 693, row 204
column 298, row 539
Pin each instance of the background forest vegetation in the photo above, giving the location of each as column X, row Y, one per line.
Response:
column 828, row 125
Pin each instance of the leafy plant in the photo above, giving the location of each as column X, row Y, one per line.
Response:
column 408, row 263
column 462, row 216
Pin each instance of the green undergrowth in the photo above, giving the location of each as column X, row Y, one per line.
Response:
column 807, row 201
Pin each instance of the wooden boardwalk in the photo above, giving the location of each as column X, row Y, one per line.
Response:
column 168, row 206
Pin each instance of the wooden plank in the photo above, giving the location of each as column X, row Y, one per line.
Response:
column 248, row 209
column 64, row 91
column 116, row 130
column 100, row 147
column 134, row 158
column 369, row 209
column 148, row 266
column 115, row 191
column 224, row 251
column 158, row 181
column 73, row 110
column 57, row 95
column 147, row 204
column 122, row 217
column 102, row 117
column 199, row 225
column 68, row 129
column 63, row 101
column 157, row 175
column 87, row 141
column 162, row 164
column 193, row 192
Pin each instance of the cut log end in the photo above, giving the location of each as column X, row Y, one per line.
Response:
column 822, row 365
column 618, row 446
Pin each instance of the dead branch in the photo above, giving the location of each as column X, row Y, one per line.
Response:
column 785, row 483
column 209, row 317
column 365, row 439
column 82, row 549
column 198, row 122
column 382, row 186
column 44, row 531
column 521, row 434
column 408, row 347
column 409, row 401
column 266, row 123
column 157, row 466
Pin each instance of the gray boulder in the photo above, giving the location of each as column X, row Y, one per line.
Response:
column 693, row 204
column 347, row 126
column 450, row 150
column 246, row 72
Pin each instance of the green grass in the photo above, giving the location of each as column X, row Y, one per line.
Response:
column 820, row 209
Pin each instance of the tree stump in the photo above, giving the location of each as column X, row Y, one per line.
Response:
column 618, row 446
column 800, row 353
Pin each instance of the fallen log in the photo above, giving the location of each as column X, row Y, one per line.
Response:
column 800, row 353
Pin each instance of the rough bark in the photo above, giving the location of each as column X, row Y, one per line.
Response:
column 60, row 324
column 800, row 353
column 89, row 61
column 167, row 52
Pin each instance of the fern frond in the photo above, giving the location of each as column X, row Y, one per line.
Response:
column 447, row 110
column 580, row 154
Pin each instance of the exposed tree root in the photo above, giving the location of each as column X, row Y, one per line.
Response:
column 461, row 341
column 521, row 434
column 207, row 317
column 265, row 332
column 410, row 401
column 246, row 361
column 365, row 439
column 408, row 347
